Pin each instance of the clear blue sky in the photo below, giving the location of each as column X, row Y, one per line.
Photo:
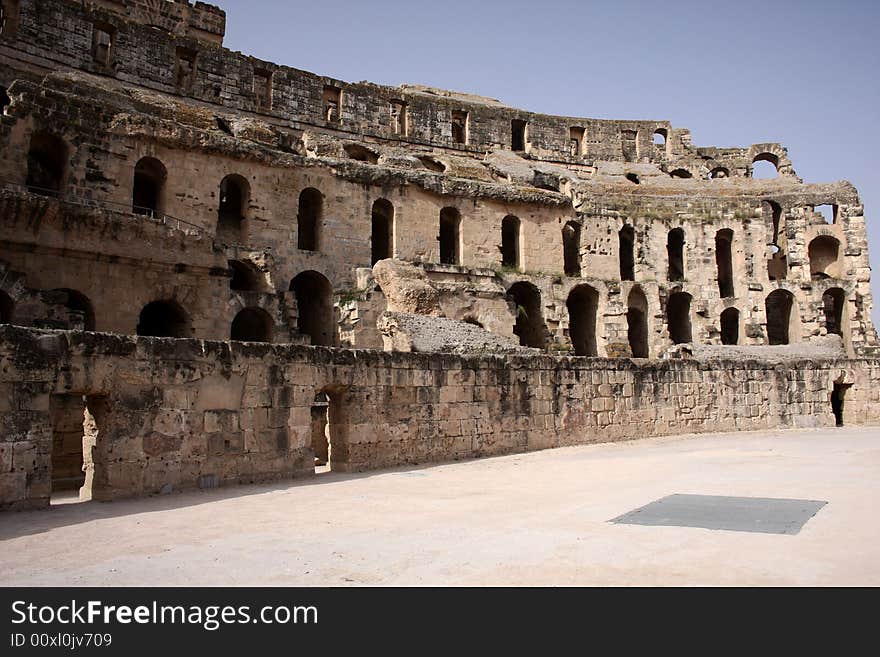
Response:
column 736, row 73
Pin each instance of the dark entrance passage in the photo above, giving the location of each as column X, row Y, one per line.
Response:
column 730, row 326
column 164, row 319
column 529, row 327
column 626, row 241
column 724, row 261
column 232, row 210
column 637, row 323
column 450, row 237
column 779, row 307
column 7, row 306
column 308, row 219
column 571, row 248
column 148, row 187
column 252, row 325
column 583, row 305
column 833, row 302
column 314, row 301
column 382, row 231
column 46, row 164
column 510, row 242
column 837, row 401
column 678, row 317
column 675, row 254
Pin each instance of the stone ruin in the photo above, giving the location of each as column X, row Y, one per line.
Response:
column 216, row 269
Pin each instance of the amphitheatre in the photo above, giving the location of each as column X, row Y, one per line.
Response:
column 217, row 271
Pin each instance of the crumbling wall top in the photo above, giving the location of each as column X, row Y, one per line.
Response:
column 200, row 20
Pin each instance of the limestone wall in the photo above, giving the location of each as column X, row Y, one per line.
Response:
column 162, row 415
column 59, row 34
column 98, row 252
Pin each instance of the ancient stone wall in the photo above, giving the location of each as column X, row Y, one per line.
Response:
column 155, row 183
column 109, row 130
column 183, row 57
column 162, row 415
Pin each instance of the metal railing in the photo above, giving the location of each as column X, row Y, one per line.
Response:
column 146, row 213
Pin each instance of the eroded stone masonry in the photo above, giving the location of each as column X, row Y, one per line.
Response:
column 217, row 269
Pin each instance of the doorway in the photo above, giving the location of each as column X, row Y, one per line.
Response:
column 838, row 396
column 77, row 472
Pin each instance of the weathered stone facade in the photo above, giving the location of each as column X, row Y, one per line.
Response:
column 168, row 414
column 155, row 183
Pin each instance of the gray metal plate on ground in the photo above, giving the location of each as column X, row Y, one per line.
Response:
column 738, row 514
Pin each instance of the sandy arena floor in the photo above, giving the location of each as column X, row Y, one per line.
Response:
column 539, row 518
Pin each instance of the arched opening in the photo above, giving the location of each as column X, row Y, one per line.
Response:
column 7, row 306
column 675, row 254
column 78, row 458
column 382, row 231
column 680, row 173
column 782, row 317
column 529, row 326
column 571, row 248
column 148, row 190
column 234, row 201
column 719, row 172
column 314, row 301
column 360, row 153
column 637, row 323
column 80, row 315
column 824, row 252
column 46, row 164
column 765, row 166
column 626, row 244
column 510, row 242
column 164, row 319
column 308, row 220
column 450, row 236
column 724, row 261
column 660, row 138
column 252, row 325
column 517, row 135
column 833, row 303
column 245, row 277
column 583, row 306
column 678, row 318
column 730, row 326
